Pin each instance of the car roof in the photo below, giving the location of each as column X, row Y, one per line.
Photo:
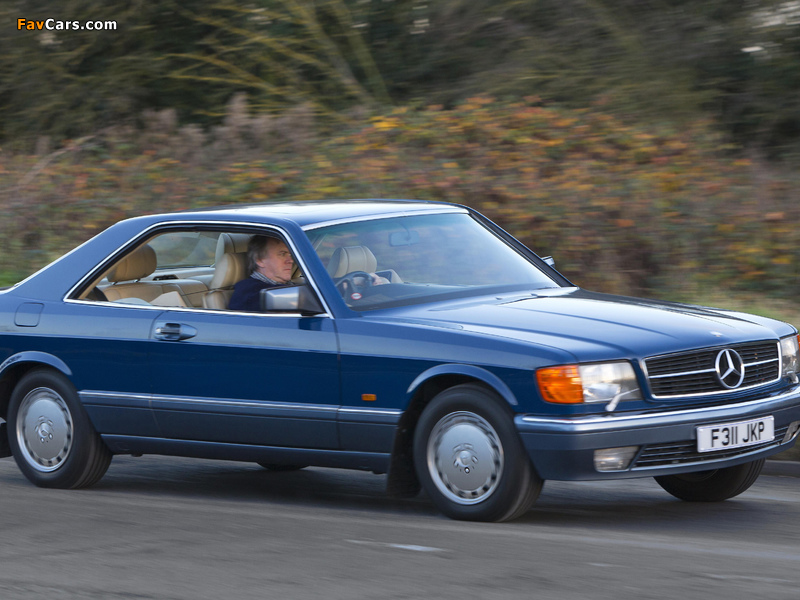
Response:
column 316, row 213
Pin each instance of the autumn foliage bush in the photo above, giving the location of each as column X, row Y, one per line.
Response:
column 633, row 210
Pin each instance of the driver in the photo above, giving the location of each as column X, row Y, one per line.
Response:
column 270, row 264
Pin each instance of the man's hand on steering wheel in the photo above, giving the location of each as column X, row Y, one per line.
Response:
column 348, row 285
column 353, row 284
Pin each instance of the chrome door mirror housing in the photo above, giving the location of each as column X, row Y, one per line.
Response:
column 291, row 299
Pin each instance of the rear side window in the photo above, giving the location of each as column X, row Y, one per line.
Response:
column 182, row 249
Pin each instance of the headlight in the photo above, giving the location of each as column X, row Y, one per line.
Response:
column 600, row 382
column 790, row 356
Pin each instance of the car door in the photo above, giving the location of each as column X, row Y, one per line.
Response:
column 261, row 379
column 103, row 348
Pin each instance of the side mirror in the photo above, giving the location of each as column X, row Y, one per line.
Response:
column 291, row 299
column 550, row 261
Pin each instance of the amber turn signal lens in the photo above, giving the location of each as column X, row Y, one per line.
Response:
column 561, row 385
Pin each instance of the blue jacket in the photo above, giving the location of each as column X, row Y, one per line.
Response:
column 246, row 294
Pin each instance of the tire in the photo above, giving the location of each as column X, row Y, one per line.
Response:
column 274, row 467
column 469, row 458
column 51, row 438
column 712, row 486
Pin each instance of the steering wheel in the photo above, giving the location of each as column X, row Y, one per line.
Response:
column 348, row 287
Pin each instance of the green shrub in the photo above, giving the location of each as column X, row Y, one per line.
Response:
column 623, row 209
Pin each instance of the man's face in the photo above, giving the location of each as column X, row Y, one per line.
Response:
column 277, row 264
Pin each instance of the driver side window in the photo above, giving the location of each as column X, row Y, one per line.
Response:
column 191, row 268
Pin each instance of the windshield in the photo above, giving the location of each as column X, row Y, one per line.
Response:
column 404, row 260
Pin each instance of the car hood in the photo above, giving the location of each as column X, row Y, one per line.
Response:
column 593, row 326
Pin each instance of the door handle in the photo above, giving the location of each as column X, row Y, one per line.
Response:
column 174, row 332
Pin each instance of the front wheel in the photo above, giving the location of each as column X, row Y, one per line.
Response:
column 469, row 458
column 50, row 435
column 712, row 486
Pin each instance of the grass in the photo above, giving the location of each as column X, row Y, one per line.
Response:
column 8, row 279
column 765, row 306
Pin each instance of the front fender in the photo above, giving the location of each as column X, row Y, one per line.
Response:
column 472, row 371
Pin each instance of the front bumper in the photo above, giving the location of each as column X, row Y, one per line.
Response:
column 563, row 448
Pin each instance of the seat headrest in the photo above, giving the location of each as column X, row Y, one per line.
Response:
column 228, row 270
column 229, row 243
column 351, row 258
column 136, row 265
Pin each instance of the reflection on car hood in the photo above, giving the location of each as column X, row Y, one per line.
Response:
column 595, row 326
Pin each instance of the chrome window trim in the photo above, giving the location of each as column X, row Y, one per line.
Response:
column 194, row 309
column 381, row 216
column 211, row 225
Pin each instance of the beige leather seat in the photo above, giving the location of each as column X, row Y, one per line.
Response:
column 126, row 285
column 347, row 259
column 231, row 243
column 230, row 266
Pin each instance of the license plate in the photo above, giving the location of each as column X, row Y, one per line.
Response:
column 735, row 435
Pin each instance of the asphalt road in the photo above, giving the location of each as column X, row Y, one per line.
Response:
column 166, row 528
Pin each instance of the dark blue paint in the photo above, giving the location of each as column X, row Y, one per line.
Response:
column 263, row 359
column 28, row 314
column 332, row 390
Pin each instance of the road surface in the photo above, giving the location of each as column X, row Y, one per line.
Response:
column 173, row 529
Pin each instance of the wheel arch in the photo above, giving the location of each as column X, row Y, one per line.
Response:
column 402, row 479
column 17, row 365
column 468, row 373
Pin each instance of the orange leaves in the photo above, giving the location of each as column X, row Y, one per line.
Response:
column 646, row 202
column 623, row 209
column 385, row 123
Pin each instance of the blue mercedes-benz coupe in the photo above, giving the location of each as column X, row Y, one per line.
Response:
column 416, row 339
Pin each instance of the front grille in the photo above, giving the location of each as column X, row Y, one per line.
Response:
column 692, row 373
column 677, row 453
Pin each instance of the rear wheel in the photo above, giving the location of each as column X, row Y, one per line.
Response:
column 50, row 435
column 712, row 486
column 469, row 458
